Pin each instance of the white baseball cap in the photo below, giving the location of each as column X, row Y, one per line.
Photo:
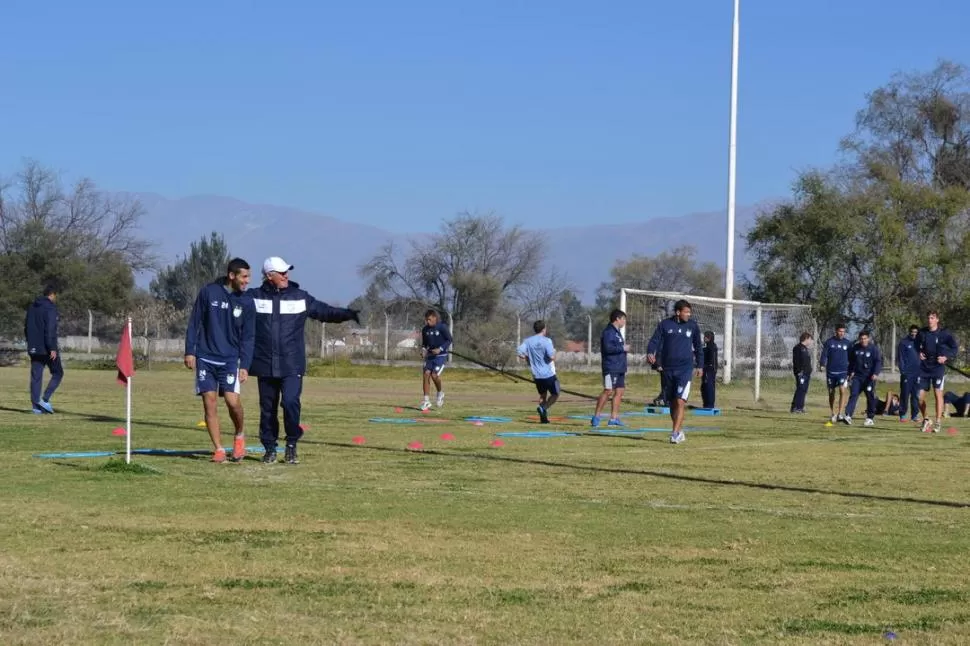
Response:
column 277, row 264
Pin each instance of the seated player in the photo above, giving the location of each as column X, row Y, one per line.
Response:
column 960, row 404
column 888, row 406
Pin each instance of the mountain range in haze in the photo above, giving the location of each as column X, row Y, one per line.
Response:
column 327, row 252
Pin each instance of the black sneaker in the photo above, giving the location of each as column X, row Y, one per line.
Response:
column 543, row 415
column 269, row 457
column 290, row 455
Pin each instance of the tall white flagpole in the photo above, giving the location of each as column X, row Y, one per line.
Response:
column 732, row 185
column 128, row 404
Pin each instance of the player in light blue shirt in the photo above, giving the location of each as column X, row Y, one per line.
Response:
column 541, row 355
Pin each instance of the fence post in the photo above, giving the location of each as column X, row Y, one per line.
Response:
column 90, row 330
column 892, row 350
column 757, row 355
column 589, row 340
column 323, row 340
column 387, row 334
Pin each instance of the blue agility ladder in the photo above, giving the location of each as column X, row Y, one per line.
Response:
column 536, row 434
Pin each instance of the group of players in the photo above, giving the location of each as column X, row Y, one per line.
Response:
column 235, row 332
column 676, row 349
column 854, row 369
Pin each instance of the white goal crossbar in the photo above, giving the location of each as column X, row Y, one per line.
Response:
column 746, row 347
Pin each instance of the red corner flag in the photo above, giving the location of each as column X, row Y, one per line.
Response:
column 125, row 359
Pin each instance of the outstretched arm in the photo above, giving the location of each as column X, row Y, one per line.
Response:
column 320, row 311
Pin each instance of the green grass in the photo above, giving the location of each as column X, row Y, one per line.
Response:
column 771, row 529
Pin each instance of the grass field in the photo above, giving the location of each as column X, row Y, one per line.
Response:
column 767, row 529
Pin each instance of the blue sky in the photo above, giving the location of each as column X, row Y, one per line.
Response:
column 400, row 114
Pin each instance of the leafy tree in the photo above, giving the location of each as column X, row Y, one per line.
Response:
column 573, row 316
column 885, row 235
column 802, row 251
column 916, row 129
column 80, row 239
column 179, row 284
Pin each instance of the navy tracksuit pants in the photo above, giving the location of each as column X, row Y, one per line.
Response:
column 860, row 385
column 801, row 391
column 909, row 395
column 37, row 364
column 708, row 388
column 275, row 392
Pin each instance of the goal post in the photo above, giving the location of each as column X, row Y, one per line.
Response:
column 763, row 334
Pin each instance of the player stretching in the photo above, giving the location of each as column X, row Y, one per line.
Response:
column 835, row 360
column 865, row 364
column 219, row 345
column 613, row 361
column 676, row 346
column 935, row 346
column 435, row 342
column 541, row 355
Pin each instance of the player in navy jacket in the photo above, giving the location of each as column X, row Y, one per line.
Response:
column 936, row 346
column 801, row 365
column 709, row 380
column 613, row 349
column 865, row 364
column 677, row 348
column 40, row 333
column 219, row 343
column 279, row 360
column 435, row 343
column 907, row 359
column 835, row 360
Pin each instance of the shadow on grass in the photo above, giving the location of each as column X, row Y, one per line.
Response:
column 653, row 474
column 89, row 417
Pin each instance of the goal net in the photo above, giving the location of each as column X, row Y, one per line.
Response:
column 762, row 335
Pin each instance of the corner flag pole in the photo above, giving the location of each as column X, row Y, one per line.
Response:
column 128, row 404
column 732, row 185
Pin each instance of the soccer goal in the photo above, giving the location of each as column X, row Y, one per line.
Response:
column 762, row 334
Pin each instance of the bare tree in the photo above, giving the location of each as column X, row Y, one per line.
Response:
column 84, row 220
column 543, row 295
column 465, row 270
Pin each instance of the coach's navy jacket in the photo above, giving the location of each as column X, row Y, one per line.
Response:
column 280, row 322
column 677, row 345
column 222, row 326
column 40, row 327
column 612, row 352
column 865, row 361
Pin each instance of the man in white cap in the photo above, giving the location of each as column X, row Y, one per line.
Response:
column 279, row 359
